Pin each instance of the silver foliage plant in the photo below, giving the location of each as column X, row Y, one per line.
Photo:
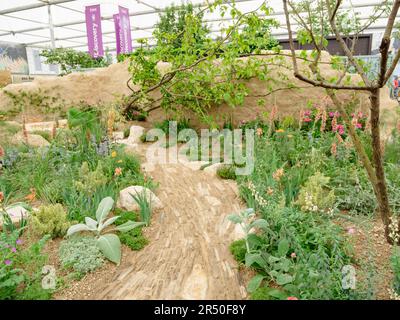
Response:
column 107, row 241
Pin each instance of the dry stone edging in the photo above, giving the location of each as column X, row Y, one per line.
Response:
column 45, row 126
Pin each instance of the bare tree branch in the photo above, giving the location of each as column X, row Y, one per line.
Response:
column 384, row 47
column 343, row 45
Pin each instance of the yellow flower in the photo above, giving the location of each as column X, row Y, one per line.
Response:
column 280, row 130
column 290, row 136
column 119, row 161
column 113, row 154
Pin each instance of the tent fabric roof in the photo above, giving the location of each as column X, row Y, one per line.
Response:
column 31, row 26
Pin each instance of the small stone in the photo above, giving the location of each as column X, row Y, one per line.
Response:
column 194, row 165
column 118, row 135
column 212, row 169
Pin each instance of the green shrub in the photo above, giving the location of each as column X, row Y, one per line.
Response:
column 134, row 239
column 238, row 250
column 227, row 172
column 395, row 263
column 127, row 132
column 314, row 195
column 81, row 254
column 51, row 220
column 89, row 181
column 21, row 268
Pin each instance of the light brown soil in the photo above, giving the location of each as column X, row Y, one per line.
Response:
column 372, row 254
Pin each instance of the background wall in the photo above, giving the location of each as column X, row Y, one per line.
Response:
column 13, row 58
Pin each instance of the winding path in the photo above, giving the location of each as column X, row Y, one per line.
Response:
column 188, row 255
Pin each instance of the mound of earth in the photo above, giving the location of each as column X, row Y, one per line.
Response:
column 105, row 84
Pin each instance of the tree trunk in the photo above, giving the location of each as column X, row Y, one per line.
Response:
column 381, row 188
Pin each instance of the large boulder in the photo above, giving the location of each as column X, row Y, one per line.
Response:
column 127, row 202
column 33, row 140
column 16, row 213
column 135, row 133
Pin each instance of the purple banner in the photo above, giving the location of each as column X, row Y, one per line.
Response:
column 117, row 25
column 125, row 30
column 93, row 29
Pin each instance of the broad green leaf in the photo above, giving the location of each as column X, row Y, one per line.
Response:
column 104, row 209
column 255, row 283
column 108, row 223
column 260, row 223
column 91, row 223
column 272, row 259
column 283, row 279
column 283, row 247
column 278, row 294
column 77, row 228
column 252, row 258
column 235, row 218
column 129, row 225
column 110, row 246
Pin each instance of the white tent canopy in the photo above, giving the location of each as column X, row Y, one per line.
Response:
column 44, row 23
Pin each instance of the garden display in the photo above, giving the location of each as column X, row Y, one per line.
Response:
column 203, row 168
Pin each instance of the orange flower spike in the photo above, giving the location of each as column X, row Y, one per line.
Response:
column 32, row 196
column 334, row 149
column 118, row 172
column 324, row 118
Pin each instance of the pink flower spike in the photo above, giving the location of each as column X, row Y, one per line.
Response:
column 331, row 114
column 19, row 241
column 13, row 250
column 7, row 262
column 293, row 255
column 358, row 125
column 307, row 113
column 292, row 298
column 307, row 120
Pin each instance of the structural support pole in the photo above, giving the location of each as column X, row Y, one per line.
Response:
column 51, row 27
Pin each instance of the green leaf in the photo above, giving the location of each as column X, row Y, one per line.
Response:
column 255, row 283
column 235, row 218
column 260, row 223
column 104, row 209
column 283, row 247
column 91, row 223
column 129, row 225
column 77, row 228
column 283, row 279
column 108, row 222
column 252, row 258
column 278, row 294
column 110, row 246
